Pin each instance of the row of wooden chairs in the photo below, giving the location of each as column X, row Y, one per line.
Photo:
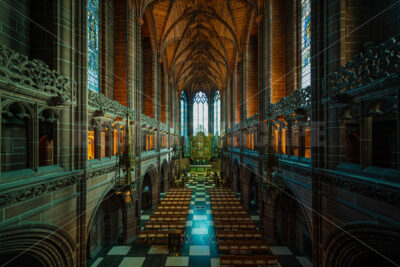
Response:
column 246, row 247
column 228, row 212
column 178, row 195
column 168, row 207
column 238, row 225
column 239, row 218
column 227, row 208
column 219, row 203
column 171, row 212
column 241, row 261
column 175, row 203
column 223, row 199
column 168, row 218
column 238, row 235
column 156, row 237
column 176, row 198
column 165, row 225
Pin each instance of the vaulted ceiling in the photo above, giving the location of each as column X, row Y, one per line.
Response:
column 199, row 41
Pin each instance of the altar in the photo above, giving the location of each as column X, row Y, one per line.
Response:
column 200, row 149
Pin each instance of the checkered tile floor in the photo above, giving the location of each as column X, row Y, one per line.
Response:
column 200, row 248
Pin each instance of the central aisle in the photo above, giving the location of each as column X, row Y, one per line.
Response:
column 200, row 244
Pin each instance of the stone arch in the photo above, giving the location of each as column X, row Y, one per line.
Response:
column 250, row 191
column 149, row 191
column 106, row 224
column 42, row 244
column 350, row 245
column 236, row 176
column 164, row 174
column 290, row 222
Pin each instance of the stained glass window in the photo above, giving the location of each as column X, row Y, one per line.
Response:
column 200, row 113
column 305, row 43
column 184, row 113
column 217, row 113
column 93, row 45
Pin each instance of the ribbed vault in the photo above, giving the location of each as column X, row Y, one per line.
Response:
column 199, row 41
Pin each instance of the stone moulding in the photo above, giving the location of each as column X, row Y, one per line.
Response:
column 100, row 171
column 34, row 75
column 378, row 62
column 35, row 190
column 299, row 99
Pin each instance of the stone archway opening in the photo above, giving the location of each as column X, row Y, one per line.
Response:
column 107, row 225
column 253, row 193
column 291, row 225
column 146, row 196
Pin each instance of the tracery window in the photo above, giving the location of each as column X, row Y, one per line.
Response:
column 184, row 113
column 200, row 113
column 217, row 114
column 93, row 45
column 305, row 43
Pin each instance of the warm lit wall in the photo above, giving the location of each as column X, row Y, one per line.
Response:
column 278, row 47
column 148, row 83
column 163, row 116
column 120, row 52
column 237, row 89
column 252, row 77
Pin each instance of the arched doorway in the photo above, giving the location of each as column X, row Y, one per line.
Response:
column 107, row 224
column 164, row 177
column 146, row 192
column 290, row 224
column 236, row 176
column 253, row 192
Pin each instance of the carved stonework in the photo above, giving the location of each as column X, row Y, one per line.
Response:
column 102, row 104
column 36, row 190
column 17, row 69
column 299, row 100
column 148, row 122
column 97, row 172
column 376, row 63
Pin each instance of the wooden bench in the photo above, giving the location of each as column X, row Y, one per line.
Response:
column 246, row 246
column 258, row 260
column 238, row 235
column 156, row 237
column 156, row 225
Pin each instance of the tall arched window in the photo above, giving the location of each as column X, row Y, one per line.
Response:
column 217, row 113
column 305, row 43
column 200, row 113
column 184, row 114
column 93, row 45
